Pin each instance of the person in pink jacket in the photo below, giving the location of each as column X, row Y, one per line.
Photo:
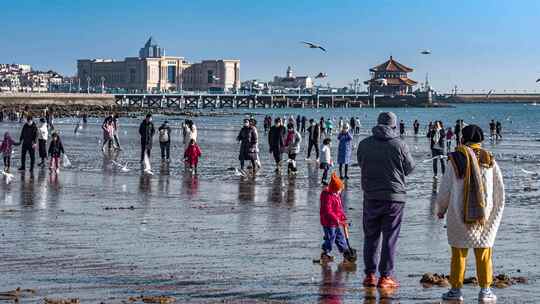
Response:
column 332, row 218
column 6, row 148
column 191, row 155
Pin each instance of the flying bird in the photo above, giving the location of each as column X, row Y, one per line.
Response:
column 489, row 93
column 538, row 80
column 321, row 75
column 313, row 45
column 425, row 52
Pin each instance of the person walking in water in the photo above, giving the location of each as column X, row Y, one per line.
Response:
column 43, row 136
column 416, row 127
column 28, row 140
column 345, row 148
column 6, row 148
column 276, row 141
column 385, row 161
column 165, row 140
column 314, row 134
column 437, row 139
column 248, row 146
column 472, row 197
column 56, row 149
column 146, row 131
column 498, row 130
column 292, row 142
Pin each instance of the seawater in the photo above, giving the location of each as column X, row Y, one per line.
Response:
column 218, row 236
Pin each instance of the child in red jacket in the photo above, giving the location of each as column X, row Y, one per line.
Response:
column 191, row 155
column 332, row 218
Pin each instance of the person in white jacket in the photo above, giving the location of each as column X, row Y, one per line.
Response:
column 43, row 136
column 471, row 195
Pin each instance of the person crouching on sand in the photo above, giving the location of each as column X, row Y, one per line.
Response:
column 332, row 218
column 56, row 149
column 472, row 195
column 191, row 155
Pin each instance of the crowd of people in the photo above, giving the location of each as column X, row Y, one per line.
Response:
column 471, row 192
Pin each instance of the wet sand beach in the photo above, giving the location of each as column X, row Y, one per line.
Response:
column 102, row 235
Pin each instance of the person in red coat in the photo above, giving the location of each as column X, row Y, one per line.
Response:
column 332, row 218
column 191, row 155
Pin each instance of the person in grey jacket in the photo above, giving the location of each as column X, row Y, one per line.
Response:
column 292, row 142
column 385, row 161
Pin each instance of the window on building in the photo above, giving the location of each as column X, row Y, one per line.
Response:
column 132, row 74
column 210, row 76
column 171, row 74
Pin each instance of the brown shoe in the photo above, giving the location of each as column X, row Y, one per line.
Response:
column 387, row 282
column 370, row 280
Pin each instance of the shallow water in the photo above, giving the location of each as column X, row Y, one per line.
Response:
column 222, row 237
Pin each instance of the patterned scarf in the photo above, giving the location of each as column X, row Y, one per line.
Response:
column 468, row 161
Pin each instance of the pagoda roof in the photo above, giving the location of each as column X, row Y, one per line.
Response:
column 394, row 81
column 391, row 66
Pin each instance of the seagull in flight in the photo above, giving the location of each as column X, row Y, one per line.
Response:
column 321, row 75
column 313, row 46
column 538, row 80
column 425, row 52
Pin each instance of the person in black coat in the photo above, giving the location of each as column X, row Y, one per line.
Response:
column 248, row 145
column 146, row 131
column 437, row 137
column 304, row 120
column 28, row 140
column 276, row 141
column 314, row 131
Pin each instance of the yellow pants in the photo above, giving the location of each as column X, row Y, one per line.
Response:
column 484, row 268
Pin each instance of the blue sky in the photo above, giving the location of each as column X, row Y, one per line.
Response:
column 477, row 45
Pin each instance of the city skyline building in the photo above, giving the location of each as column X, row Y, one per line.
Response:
column 152, row 71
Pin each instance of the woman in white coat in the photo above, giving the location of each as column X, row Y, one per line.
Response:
column 471, row 195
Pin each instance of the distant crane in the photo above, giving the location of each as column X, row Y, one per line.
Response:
column 313, row 45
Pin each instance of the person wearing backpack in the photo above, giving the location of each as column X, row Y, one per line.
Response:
column 165, row 140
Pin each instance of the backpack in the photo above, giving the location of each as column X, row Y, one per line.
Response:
column 163, row 135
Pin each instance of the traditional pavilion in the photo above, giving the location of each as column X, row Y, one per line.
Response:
column 390, row 78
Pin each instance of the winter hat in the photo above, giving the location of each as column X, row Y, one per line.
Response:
column 472, row 134
column 387, row 119
column 335, row 184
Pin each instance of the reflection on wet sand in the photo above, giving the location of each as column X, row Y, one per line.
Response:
column 246, row 190
column 190, row 185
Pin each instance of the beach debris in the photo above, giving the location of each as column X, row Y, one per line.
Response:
column 62, row 301
column 120, row 208
column 14, row 295
column 153, row 299
column 502, row 280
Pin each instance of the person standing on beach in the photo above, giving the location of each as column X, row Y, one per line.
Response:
column 43, row 136
column 402, row 129
column 385, row 161
column 352, row 124
column 298, row 122
column 472, row 195
column 165, row 140
column 108, row 133
column 322, row 125
column 498, row 130
column 314, row 134
column 292, row 142
column 5, row 149
column 189, row 132
column 116, row 126
column 28, row 140
column 416, row 127
column 492, row 133
column 248, row 146
column 358, row 125
column 146, row 131
column 303, row 127
column 276, row 141
column 345, row 148
column 449, row 138
column 436, row 139
column 457, row 131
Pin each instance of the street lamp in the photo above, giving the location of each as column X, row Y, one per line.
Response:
column 79, row 87
column 88, row 84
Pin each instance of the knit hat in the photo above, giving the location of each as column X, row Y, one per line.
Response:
column 387, row 119
column 472, row 134
column 336, row 184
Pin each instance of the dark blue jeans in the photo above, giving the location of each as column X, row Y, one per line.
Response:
column 334, row 235
column 381, row 218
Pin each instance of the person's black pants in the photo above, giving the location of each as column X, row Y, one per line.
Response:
column 165, row 149
column 27, row 148
column 42, row 143
column 435, row 153
column 292, row 162
column 277, row 155
column 145, row 149
column 313, row 144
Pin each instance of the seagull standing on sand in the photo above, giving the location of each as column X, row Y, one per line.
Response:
column 313, row 45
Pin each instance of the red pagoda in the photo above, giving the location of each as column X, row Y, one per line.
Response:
column 390, row 79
